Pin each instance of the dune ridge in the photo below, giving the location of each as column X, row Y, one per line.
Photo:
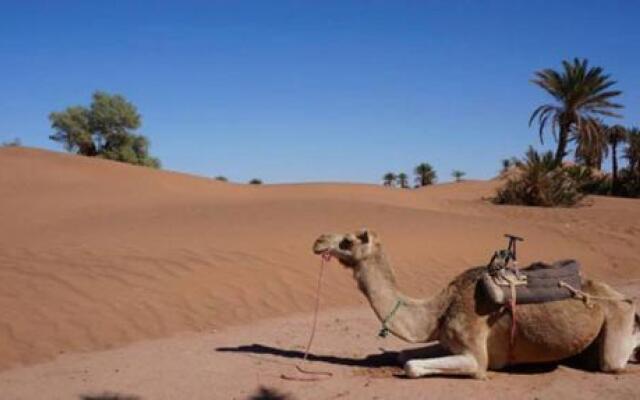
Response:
column 96, row 254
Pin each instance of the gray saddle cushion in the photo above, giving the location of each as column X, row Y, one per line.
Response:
column 543, row 283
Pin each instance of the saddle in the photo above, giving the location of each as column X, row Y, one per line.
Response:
column 538, row 283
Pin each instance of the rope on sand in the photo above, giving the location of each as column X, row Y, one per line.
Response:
column 326, row 257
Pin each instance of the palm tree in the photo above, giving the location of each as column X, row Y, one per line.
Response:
column 592, row 145
column 615, row 135
column 632, row 152
column 403, row 180
column 389, row 179
column 425, row 174
column 581, row 93
column 457, row 175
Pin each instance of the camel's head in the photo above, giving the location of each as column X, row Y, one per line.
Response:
column 350, row 248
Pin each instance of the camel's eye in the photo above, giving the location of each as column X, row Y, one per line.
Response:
column 345, row 244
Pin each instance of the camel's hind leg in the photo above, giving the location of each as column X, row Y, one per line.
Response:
column 463, row 364
column 618, row 339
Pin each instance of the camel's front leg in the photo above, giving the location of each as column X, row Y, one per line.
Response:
column 430, row 350
column 463, row 364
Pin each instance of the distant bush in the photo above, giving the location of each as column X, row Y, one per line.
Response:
column 457, row 175
column 255, row 181
column 11, row 143
column 537, row 182
column 221, row 178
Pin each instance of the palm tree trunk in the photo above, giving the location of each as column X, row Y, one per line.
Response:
column 614, row 167
column 563, row 140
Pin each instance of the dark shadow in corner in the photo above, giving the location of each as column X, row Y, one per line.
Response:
column 109, row 396
column 265, row 393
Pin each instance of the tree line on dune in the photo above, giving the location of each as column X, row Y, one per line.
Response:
column 424, row 175
column 579, row 120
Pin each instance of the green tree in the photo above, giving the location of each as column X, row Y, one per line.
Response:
column 425, row 174
column 255, row 181
column 615, row 135
column 457, row 175
column 403, row 180
column 581, row 93
column 106, row 129
column 389, row 179
column 221, row 178
column 592, row 146
column 632, row 151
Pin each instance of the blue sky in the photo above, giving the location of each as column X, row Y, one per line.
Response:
column 292, row 91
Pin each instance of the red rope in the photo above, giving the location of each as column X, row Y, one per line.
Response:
column 325, row 258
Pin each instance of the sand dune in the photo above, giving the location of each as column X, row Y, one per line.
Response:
column 96, row 254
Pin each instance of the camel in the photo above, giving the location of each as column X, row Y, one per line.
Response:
column 475, row 331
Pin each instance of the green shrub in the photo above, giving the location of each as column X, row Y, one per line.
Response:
column 537, row 182
column 589, row 180
column 629, row 183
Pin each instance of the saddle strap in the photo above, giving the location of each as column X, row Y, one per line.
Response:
column 512, row 333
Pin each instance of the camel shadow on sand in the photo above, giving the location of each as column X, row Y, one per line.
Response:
column 109, row 396
column 388, row 359
column 385, row 359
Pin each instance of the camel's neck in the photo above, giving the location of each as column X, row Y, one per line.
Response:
column 414, row 320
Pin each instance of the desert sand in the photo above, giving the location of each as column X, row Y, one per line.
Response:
column 116, row 279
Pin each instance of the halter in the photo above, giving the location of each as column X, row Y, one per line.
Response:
column 384, row 331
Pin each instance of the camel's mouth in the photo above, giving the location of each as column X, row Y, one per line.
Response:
column 322, row 245
column 321, row 248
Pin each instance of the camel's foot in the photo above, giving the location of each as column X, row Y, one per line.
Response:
column 462, row 365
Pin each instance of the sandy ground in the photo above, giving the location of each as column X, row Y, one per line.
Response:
column 236, row 363
column 165, row 268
